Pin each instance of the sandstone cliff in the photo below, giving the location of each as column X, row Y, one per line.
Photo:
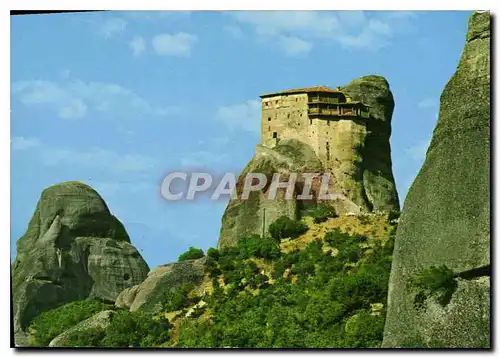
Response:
column 73, row 249
column 446, row 216
column 363, row 174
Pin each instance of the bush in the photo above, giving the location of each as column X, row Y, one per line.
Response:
column 191, row 254
column 439, row 282
column 50, row 324
column 178, row 297
column 256, row 246
column 213, row 253
column 322, row 212
column 285, row 227
column 364, row 330
column 91, row 337
column 337, row 238
column 134, row 329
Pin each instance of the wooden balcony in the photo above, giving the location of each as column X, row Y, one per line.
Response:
column 331, row 100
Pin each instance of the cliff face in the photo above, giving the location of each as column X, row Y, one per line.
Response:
column 73, row 249
column 362, row 173
column 446, row 216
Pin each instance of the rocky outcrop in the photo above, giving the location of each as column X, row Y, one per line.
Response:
column 148, row 296
column 73, row 249
column 446, row 216
column 245, row 217
column 376, row 166
column 98, row 322
column 362, row 176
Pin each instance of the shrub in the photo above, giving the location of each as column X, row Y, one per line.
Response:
column 178, row 297
column 256, row 246
column 364, row 330
column 191, row 254
column 337, row 238
column 321, row 212
column 134, row 329
column 285, row 227
column 439, row 282
column 50, row 324
column 91, row 337
column 213, row 253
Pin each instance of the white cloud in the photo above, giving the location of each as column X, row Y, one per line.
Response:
column 241, row 116
column 418, row 151
column 428, row 103
column 22, row 143
column 73, row 99
column 351, row 29
column 93, row 157
column 179, row 44
column 294, row 46
column 138, row 45
column 111, row 27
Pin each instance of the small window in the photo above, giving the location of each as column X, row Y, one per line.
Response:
column 276, row 102
column 310, row 121
column 288, row 115
column 269, row 119
column 275, row 134
column 269, row 129
column 296, row 99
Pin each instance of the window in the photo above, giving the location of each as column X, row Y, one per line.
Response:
column 288, row 115
column 269, row 119
column 275, row 134
column 328, row 123
column 276, row 102
column 310, row 121
column 269, row 129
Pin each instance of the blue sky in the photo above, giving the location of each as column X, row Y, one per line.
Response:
column 119, row 99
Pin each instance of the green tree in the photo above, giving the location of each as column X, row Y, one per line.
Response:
column 285, row 227
column 191, row 254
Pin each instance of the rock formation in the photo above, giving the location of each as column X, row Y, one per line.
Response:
column 446, row 216
column 99, row 322
column 73, row 249
column 362, row 176
column 148, row 295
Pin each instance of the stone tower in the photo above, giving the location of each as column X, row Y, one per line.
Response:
column 319, row 116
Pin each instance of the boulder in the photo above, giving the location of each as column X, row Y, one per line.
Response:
column 148, row 296
column 98, row 322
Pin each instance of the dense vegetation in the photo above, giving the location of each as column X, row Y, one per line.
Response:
column 329, row 294
column 310, row 298
column 127, row 329
column 50, row 324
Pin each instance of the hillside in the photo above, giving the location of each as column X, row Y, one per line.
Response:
column 325, row 286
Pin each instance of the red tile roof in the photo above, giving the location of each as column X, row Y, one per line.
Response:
column 302, row 90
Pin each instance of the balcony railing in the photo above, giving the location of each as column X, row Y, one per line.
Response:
column 336, row 112
column 323, row 100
